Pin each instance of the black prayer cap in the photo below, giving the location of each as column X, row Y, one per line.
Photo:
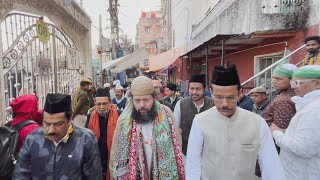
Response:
column 198, row 78
column 102, row 92
column 57, row 103
column 225, row 76
column 172, row 86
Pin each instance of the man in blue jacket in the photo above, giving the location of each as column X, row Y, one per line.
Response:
column 245, row 102
column 59, row 150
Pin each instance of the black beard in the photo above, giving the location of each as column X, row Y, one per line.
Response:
column 313, row 51
column 150, row 116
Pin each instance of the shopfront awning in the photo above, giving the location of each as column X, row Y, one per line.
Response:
column 165, row 59
column 111, row 64
column 131, row 60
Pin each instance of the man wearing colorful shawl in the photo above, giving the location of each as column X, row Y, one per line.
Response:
column 146, row 143
column 226, row 141
column 102, row 121
column 300, row 152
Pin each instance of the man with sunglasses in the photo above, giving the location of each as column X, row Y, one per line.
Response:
column 300, row 152
column 102, row 122
column 226, row 141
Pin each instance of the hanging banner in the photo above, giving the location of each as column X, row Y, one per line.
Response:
column 42, row 31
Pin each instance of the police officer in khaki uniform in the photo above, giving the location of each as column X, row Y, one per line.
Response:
column 81, row 103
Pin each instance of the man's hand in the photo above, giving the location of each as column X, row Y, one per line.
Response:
column 274, row 127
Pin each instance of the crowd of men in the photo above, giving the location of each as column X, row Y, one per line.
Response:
column 149, row 131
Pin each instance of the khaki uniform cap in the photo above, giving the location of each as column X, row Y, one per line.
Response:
column 258, row 90
column 86, row 80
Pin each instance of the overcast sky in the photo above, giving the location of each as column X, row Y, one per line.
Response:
column 129, row 13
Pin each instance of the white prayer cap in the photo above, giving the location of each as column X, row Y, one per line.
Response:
column 116, row 82
column 106, row 85
column 119, row 87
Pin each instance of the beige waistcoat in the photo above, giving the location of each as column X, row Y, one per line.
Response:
column 231, row 145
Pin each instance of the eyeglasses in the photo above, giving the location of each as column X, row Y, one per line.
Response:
column 298, row 82
column 104, row 104
column 230, row 99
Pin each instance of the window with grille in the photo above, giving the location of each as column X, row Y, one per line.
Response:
column 262, row 63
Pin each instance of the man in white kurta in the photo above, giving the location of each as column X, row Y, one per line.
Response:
column 226, row 141
column 300, row 144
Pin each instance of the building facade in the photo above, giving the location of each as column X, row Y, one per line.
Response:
column 248, row 33
column 166, row 7
column 149, row 30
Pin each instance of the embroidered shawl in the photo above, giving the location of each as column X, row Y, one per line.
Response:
column 128, row 162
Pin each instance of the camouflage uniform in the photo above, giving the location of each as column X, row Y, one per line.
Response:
column 76, row 158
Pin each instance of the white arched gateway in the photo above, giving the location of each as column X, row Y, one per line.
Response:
column 43, row 53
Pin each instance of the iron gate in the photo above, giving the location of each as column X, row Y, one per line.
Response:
column 31, row 66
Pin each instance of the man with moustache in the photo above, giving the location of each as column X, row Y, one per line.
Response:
column 301, row 140
column 146, row 143
column 102, row 122
column 260, row 98
column 312, row 45
column 81, row 102
column 226, row 141
column 120, row 100
column 59, row 149
column 186, row 109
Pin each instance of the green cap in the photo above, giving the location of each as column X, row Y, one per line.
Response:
column 308, row 71
column 284, row 70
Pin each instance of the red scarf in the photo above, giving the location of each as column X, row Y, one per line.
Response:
column 94, row 125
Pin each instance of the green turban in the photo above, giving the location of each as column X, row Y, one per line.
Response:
column 284, row 70
column 309, row 71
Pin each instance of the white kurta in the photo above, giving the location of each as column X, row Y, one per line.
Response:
column 147, row 130
column 267, row 155
column 300, row 144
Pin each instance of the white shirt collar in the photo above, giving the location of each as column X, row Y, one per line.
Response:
column 120, row 100
column 64, row 139
column 301, row 102
column 198, row 107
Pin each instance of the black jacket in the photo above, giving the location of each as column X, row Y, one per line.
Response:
column 167, row 99
column 76, row 158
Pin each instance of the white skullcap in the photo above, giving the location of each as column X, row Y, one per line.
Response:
column 106, row 85
column 116, row 82
column 119, row 87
